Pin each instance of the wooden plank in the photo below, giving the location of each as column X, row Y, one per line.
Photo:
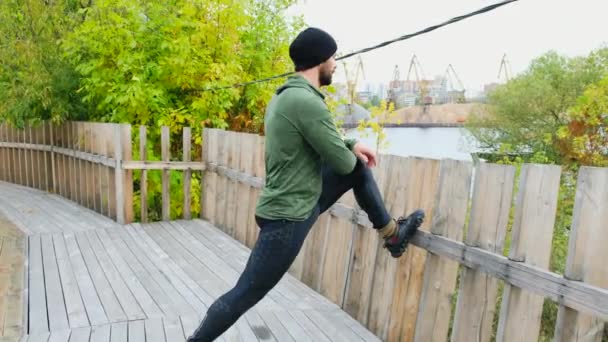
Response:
column 86, row 166
column 26, row 157
column 278, row 330
column 16, row 307
column 105, row 292
column 143, row 190
column 586, row 253
column 176, row 276
column 80, row 334
column 106, row 187
column 48, row 167
column 8, row 157
column 16, row 159
column 142, row 297
column 127, row 301
column 259, row 171
column 173, row 329
column 211, row 177
column 101, row 333
column 308, row 325
column 5, row 165
column 155, row 330
column 335, row 261
column 365, row 247
column 59, row 141
column 32, row 158
column 297, row 331
column 60, row 336
column 535, row 209
column 204, row 177
column 89, row 147
column 222, row 182
column 174, row 302
column 68, row 162
column 208, row 283
column 37, row 156
column 574, row 294
column 99, row 169
column 37, row 311
column 53, row 161
column 243, row 210
column 233, row 142
column 119, row 203
column 26, row 285
column 166, row 195
column 20, row 171
column 149, row 284
column 259, row 328
column 137, row 331
column 58, row 318
column 491, row 204
column 79, row 164
column 440, row 274
column 385, row 266
column 90, row 297
column 40, row 337
column 420, row 188
column 190, row 324
column 4, row 171
column 187, row 173
column 334, row 332
column 127, row 155
column 6, row 251
column 119, row 332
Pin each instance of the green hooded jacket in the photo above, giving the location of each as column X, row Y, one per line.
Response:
column 300, row 137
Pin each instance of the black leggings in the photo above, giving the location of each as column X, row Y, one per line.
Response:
column 278, row 245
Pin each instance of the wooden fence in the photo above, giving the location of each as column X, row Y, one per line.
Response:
column 446, row 287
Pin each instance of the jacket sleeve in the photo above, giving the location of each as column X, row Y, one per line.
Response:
column 319, row 130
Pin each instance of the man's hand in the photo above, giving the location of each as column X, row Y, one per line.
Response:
column 365, row 154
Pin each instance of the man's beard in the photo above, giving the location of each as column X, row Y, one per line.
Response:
column 325, row 78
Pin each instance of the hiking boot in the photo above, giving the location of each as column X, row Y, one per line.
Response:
column 406, row 228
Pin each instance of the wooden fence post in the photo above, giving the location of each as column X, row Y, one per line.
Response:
column 535, row 210
column 143, row 188
column 187, row 173
column 587, row 253
column 441, row 273
column 165, row 154
column 118, row 176
column 492, row 198
column 127, row 155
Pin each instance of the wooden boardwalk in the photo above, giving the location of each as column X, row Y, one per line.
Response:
column 89, row 279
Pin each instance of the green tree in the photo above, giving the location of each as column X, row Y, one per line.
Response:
column 524, row 114
column 146, row 63
column 36, row 83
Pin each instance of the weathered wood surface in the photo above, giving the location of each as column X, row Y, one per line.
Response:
column 94, row 280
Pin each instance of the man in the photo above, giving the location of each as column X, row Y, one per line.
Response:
column 308, row 168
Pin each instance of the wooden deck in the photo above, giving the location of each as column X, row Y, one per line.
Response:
column 89, row 279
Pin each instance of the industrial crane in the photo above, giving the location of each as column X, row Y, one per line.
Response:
column 421, row 82
column 351, row 83
column 394, row 88
column 506, row 66
column 450, row 76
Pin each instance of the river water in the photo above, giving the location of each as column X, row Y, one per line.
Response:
column 435, row 142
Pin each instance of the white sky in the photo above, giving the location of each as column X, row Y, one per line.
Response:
column 523, row 30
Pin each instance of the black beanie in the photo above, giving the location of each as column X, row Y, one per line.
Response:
column 311, row 48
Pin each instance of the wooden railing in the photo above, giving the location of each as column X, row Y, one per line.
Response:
column 460, row 250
